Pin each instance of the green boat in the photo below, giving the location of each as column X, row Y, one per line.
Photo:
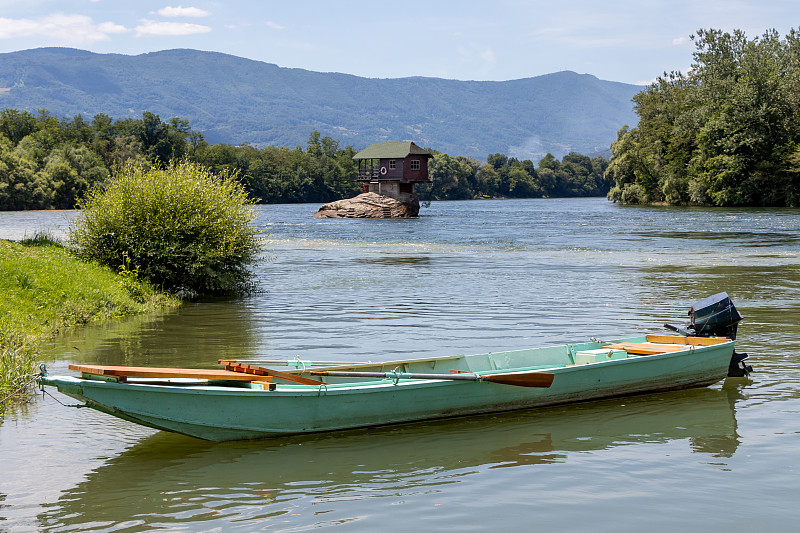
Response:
column 249, row 401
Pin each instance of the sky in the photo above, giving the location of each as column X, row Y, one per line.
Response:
column 625, row 41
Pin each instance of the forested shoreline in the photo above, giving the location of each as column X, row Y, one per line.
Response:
column 48, row 162
column 725, row 134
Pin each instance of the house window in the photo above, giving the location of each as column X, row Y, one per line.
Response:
column 415, row 164
column 392, row 164
column 406, row 187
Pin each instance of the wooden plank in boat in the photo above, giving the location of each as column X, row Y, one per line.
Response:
column 154, row 372
column 641, row 348
column 678, row 339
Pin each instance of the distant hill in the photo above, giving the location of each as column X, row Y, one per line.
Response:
column 236, row 100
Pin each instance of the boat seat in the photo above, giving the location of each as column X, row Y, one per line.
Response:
column 647, row 348
column 679, row 339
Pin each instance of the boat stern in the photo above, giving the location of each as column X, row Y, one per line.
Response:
column 716, row 316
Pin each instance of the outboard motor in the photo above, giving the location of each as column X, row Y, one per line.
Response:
column 716, row 316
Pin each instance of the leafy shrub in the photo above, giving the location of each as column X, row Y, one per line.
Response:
column 181, row 228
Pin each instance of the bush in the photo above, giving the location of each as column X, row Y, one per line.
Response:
column 181, row 228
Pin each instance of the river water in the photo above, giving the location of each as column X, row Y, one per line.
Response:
column 465, row 277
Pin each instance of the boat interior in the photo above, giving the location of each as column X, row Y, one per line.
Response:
column 542, row 358
column 251, row 374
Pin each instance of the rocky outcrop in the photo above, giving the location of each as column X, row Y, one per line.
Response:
column 370, row 205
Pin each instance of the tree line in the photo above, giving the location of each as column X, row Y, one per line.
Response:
column 726, row 134
column 462, row 178
column 50, row 163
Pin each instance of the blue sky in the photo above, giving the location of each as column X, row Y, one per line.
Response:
column 627, row 41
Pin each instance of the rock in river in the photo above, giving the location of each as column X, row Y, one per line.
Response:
column 370, row 205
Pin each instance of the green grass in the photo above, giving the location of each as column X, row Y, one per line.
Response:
column 45, row 290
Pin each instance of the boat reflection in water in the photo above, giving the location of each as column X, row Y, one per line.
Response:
column 168, row 479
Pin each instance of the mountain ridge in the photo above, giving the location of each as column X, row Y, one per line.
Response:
column 237, row 100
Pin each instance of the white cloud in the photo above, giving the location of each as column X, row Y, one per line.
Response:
column 680, row 41
column 487, row 54
column 152, row 27
column 475, row 51
column 64, row 27
column 273, row 25
column 181, row 11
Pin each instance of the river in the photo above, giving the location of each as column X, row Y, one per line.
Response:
column 465, row 277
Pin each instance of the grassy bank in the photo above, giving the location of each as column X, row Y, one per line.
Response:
column 44, row 290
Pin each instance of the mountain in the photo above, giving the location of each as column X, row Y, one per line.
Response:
column 236, row 100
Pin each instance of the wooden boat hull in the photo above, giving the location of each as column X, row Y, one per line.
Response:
column 220, row 411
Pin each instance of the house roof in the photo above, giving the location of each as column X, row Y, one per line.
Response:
column 391, row 151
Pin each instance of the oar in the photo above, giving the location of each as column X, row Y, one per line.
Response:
column 519, row 379
column 300, row 363
column 261, row 371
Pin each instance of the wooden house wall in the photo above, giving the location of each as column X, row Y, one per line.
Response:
column 402, row 170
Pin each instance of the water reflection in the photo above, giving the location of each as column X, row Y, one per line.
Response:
column 174, row 479
column 197, row 335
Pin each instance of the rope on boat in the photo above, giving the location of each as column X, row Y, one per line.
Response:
column 43, row 373
column 44, row 391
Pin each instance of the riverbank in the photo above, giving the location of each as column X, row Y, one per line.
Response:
column 47, row 290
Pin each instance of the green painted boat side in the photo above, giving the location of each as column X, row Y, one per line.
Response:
column 223, row 412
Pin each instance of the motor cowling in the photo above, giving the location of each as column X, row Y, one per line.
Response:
column 715, row 316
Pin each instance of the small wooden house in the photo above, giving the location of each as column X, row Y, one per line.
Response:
column 392, row 169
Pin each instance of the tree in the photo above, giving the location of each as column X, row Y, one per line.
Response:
column 22, row 186
column 453, row 178
column 16, row 125
column 723, row 134
column 162, row 142
column 745, row 136
column 71, row 172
